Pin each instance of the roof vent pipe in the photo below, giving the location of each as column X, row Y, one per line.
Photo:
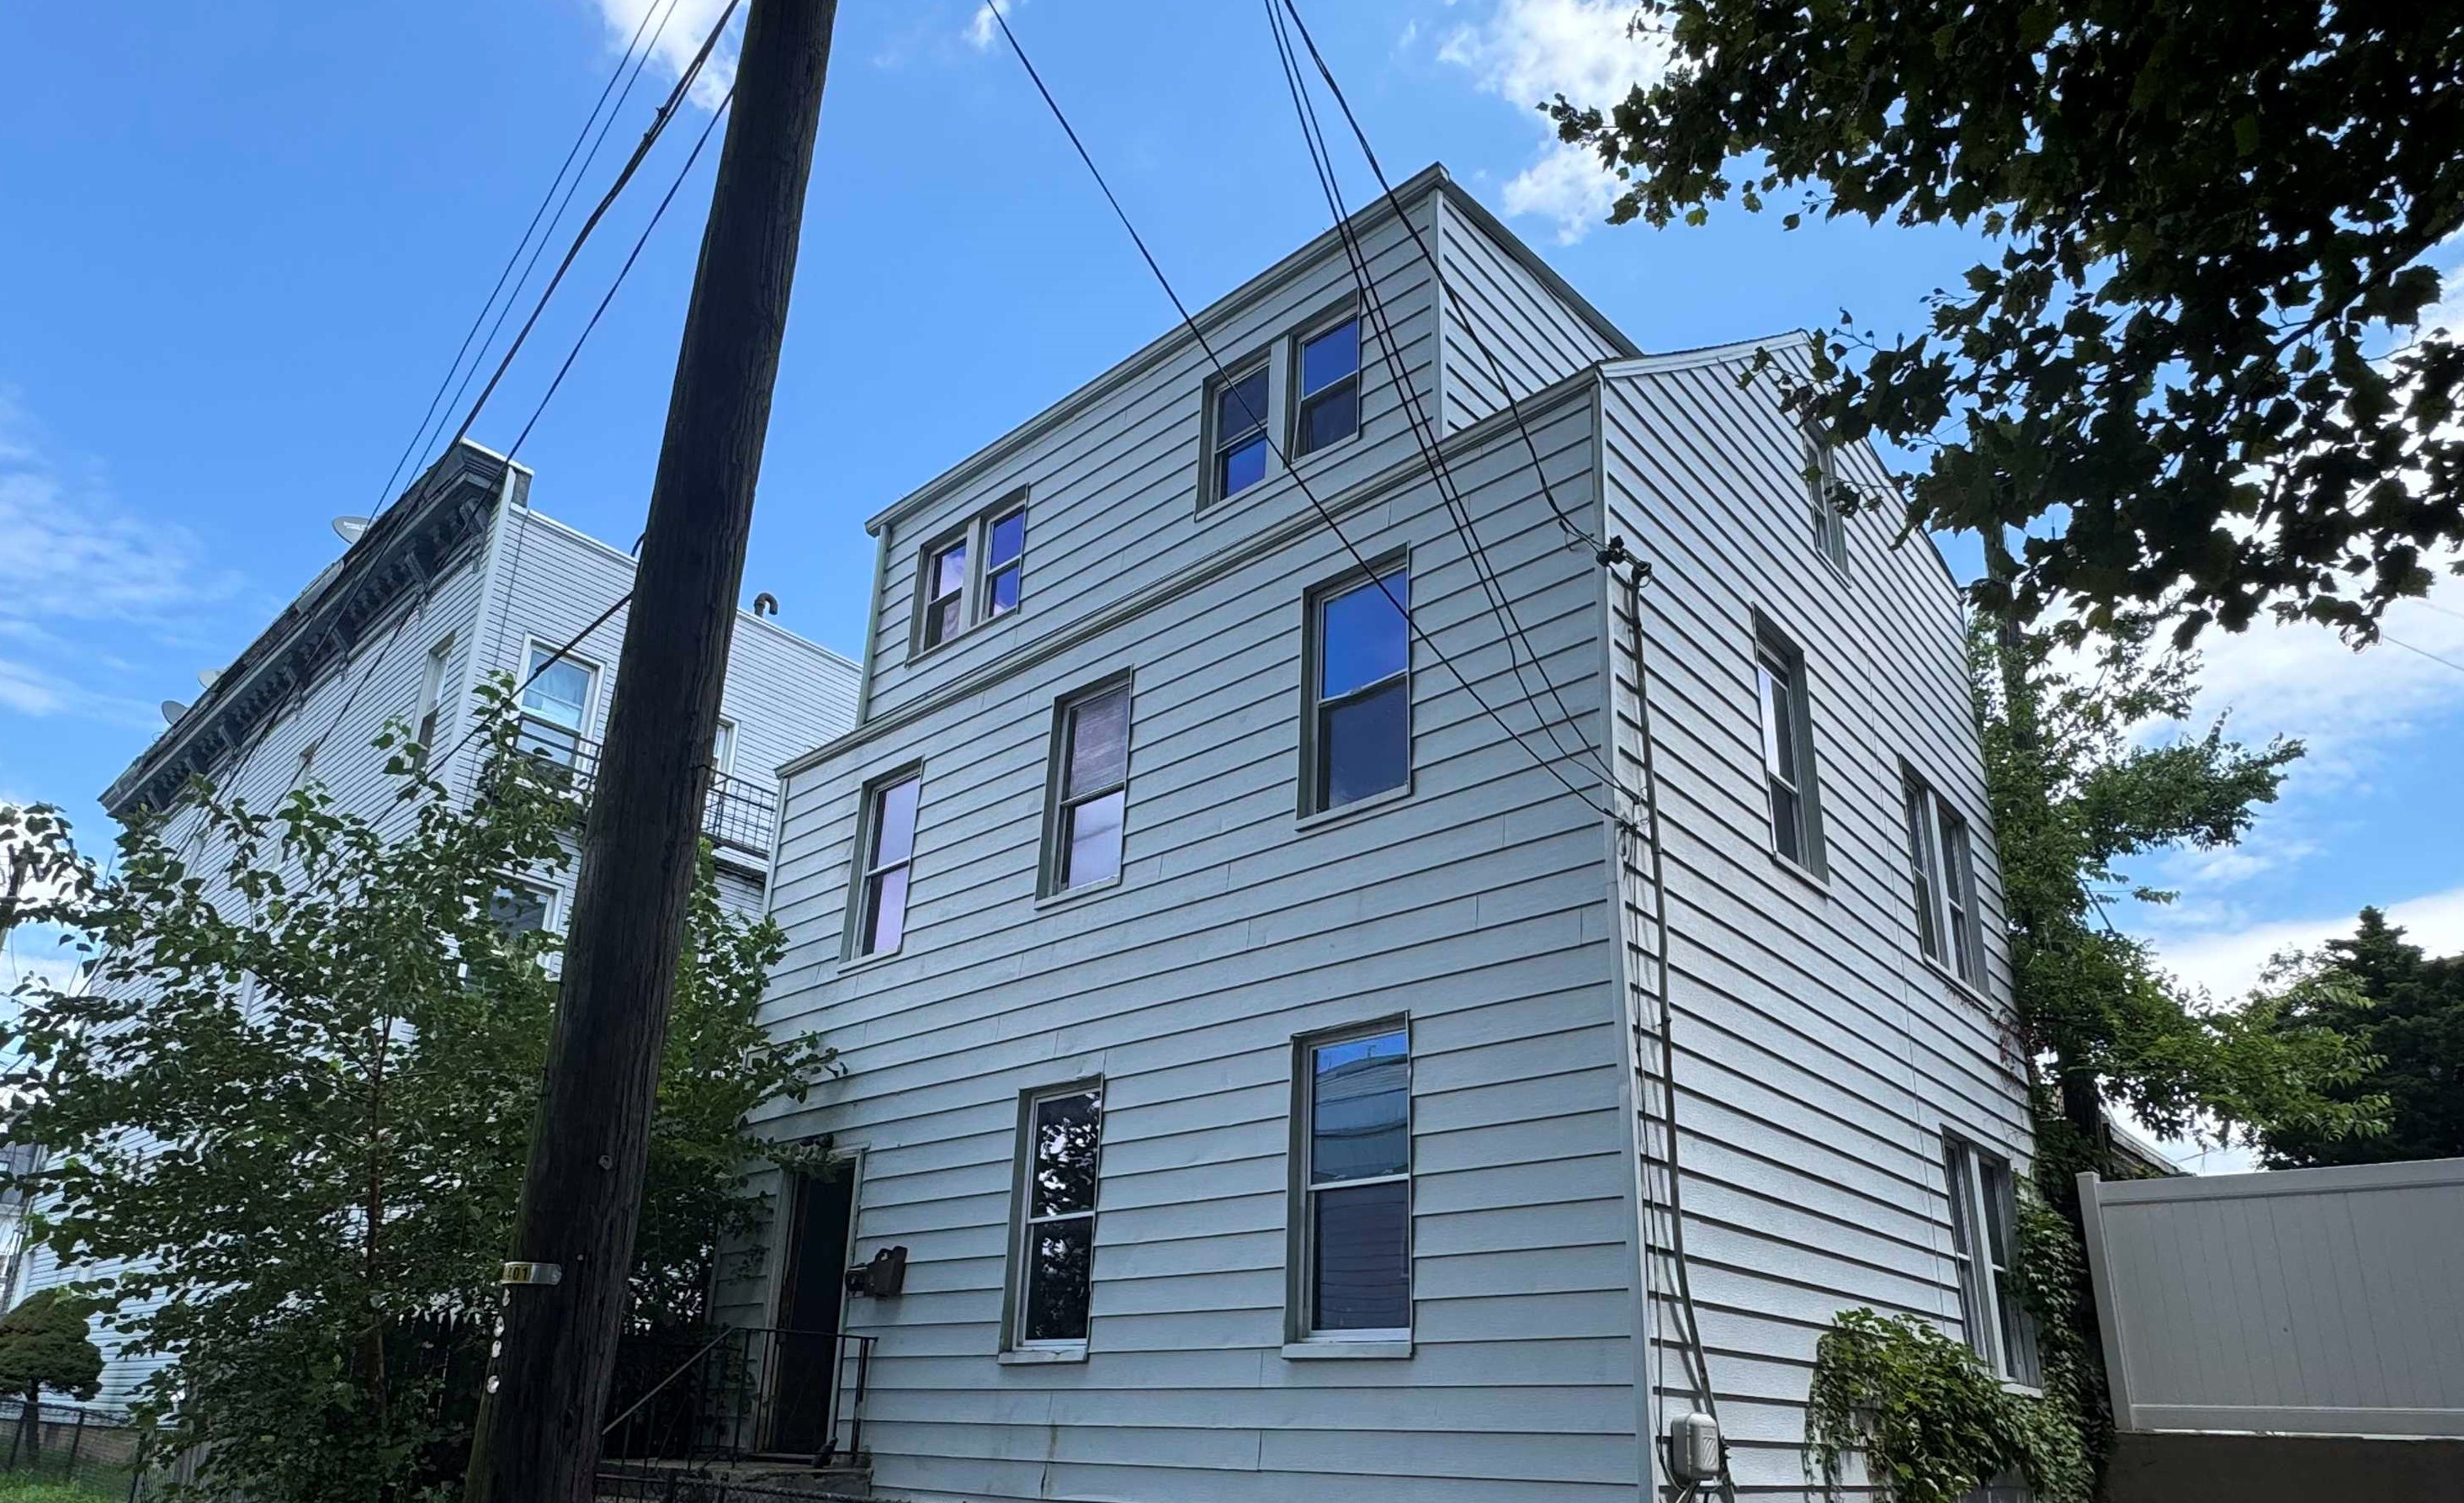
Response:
column 765, row 603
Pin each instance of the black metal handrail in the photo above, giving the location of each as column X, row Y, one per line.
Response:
column 737, row 813
column 702, row 1401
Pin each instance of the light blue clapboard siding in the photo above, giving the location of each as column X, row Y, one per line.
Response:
column 1477, row 906
column 1819, row 1056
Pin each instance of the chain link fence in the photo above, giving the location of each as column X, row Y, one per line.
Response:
column 89, row 1451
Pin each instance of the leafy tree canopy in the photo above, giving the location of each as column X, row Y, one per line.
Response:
column 2405, row 1007
column 2208, row 219
column 294, row 1094
column 2081, row 782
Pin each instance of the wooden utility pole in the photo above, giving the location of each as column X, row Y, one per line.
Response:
column 538, row 1438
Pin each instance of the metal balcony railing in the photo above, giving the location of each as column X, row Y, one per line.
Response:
column 739, row 814
column 706, row 1402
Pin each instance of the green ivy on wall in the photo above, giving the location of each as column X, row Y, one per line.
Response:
column 1931, row 1422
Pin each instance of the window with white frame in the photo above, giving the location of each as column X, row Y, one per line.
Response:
column 1236, row 445
column 1787, row 750
column 521, row 908
column 1053, row 1260
column 1090, row 789
column 556, row 705
column 887, row 841
column 722, row 749
column 1942, row 874
column 431, row 698
column 1822, row 482
column 1357, row 738
column 971, row 575
column 1328, row 370
column 1984, row 1240
column 1353, row 1117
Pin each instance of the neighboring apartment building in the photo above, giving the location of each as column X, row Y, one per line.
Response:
column 1256, row 1049
column 455, row 582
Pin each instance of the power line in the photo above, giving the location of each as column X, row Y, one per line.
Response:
column 1497, row 371
column 2423, row 651
column 622, row 272
column 436, row 401
column 1205, row 346
column 1425, row 435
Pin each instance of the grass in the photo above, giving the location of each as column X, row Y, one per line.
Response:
column 16, row 1491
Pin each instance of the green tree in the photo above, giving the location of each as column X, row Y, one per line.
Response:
column 2204, row 221
column 301, row 1113
column 2405, row 1007
column 2082, row 781
column 43, row 1344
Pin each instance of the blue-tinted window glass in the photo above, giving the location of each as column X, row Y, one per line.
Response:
column 1365, row 637
column 1325, row 418
column 1242, row 467
column 1365, row 744
column 1331, row 357
column 1008, row 539
column 1240, row 407
column 1360, row 1109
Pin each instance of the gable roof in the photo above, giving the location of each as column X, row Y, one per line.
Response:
column 1431, row 180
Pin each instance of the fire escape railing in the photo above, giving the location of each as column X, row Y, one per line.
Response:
column 738, row 815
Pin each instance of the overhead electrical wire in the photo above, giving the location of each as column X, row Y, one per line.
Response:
column 1423, row 430
column 436, row 401
column 650, row 139
column 1545, row 763
column 1690, row 1335
column 1604, row 553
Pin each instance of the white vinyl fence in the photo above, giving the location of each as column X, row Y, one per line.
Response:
column 2301, row 1301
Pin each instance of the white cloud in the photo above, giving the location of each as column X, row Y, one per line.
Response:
column 79, row 565
column 675, row 31
column 984, row 26
column 2228, row 962
column 2302, row 680
column 1531, row 50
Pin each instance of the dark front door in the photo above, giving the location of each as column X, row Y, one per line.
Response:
column 805, row 1360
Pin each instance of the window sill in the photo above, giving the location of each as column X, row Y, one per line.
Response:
column 1356, row 810
column 1084, row 893
column 1802, row 873
column 916, row 656
column 1966, row 991
column 1040, row 1355
column 1324, row 1349
column 865, row 963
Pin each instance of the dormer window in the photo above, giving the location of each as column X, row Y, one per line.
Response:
column 1330, row 389
column 971, row 575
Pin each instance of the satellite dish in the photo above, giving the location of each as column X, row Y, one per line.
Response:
column 206, row 677
column 172, row 710
column 349, row 528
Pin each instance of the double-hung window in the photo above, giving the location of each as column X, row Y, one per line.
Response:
column 971, row 575
column 1942, row 874
column 889, row 846
column 1090, row 789
column 432, row 699
column 1353, row 1115
column 1060, row 1146
column 1236, row 447
column 556, row 706
column 1984, row 1216
column 1359, row 683
column 1788, row 751
column 1330, row 389
column 1822, row 480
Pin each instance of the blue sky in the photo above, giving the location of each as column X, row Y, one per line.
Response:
column 239, row 243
